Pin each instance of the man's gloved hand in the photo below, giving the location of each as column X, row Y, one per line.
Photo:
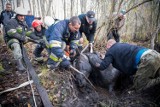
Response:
column 42, row 43
column 72, row 53
column 97, row 65
column 24, row 39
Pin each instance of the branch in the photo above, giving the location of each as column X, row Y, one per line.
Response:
column 135, row 6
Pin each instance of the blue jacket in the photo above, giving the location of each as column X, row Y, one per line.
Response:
column 86, row 28
column 123, row 57
column 60, row 32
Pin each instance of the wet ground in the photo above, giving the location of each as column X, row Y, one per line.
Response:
column 62, row 89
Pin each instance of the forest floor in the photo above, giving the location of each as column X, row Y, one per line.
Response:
column 62, row 89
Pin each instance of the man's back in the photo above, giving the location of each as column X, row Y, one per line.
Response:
column 122, row 56
column 85, row 26
column 56, row 32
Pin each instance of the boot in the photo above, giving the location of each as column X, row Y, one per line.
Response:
column 20, row 66
column 39, row 59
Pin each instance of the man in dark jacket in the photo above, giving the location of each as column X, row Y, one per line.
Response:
column 6, row 15
column 117, row 22
column 16, row 31
column 65, row 31
column 134, row 60
column 88, row 26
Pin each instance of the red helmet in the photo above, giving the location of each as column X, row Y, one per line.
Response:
column 36, row 23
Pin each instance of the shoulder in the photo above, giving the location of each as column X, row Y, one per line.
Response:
column 95, row 22
column 82, row 16
column 62, row 23
column 13, row 12
column 13, row 20
column 2, row 13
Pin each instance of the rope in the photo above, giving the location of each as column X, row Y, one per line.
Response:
column 20, row 86
column 83, row 75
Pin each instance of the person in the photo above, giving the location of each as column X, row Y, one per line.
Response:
column 6, row 15
column 64, row 32
column 48, row 21
column 116, row 24
column 29, row 19
column 38, row 34
column 141, row 62
column 88, row 26
column 16, row 31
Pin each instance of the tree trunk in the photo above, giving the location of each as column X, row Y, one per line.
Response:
column 18, row 3
column 2, row 2
column 30, row 6
column 43, row 10
column 49, row 7
column 64, row 9
column 72, row 3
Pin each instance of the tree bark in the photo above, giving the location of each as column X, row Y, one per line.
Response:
column 49, row 7
column 30, row 6
column 18, row 3
column 138, row 5
column 64, row 9
column 154, row 36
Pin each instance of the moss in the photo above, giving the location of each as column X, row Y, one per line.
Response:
column 158, row 38
column 1, row 67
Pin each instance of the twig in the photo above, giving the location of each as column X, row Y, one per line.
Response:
column 137, row 5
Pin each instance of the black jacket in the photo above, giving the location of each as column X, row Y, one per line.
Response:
column 36, row 35
column 6, row 16
column 123, row 57
column 86, row 28
column 14, row 24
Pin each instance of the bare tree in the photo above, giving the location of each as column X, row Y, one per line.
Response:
column 72, row 4
column 18, row 3
column 64, row 8
column 30, row 6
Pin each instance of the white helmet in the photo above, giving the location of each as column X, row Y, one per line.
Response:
column 20, row 11
column 48, row 20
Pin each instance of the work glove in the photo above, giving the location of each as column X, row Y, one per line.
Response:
column 24, row 39
column 72, row 53
column 97, row 65
column 42, row 43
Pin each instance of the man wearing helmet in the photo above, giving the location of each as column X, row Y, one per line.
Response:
column 140, row 62
column 88, row 26
column 116, row 24
column 29, row 19
column 65, row 31
column 16, row 31
column 39, row 31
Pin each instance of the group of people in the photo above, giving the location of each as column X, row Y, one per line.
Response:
column 57, row 37
column 66, row 35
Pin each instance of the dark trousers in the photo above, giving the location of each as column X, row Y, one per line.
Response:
column 38, row 50
column 113, row 34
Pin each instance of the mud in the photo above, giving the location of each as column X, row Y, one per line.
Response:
column 63, row 91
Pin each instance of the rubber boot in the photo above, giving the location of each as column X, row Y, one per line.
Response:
column 20, row 66
column 37, row 52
